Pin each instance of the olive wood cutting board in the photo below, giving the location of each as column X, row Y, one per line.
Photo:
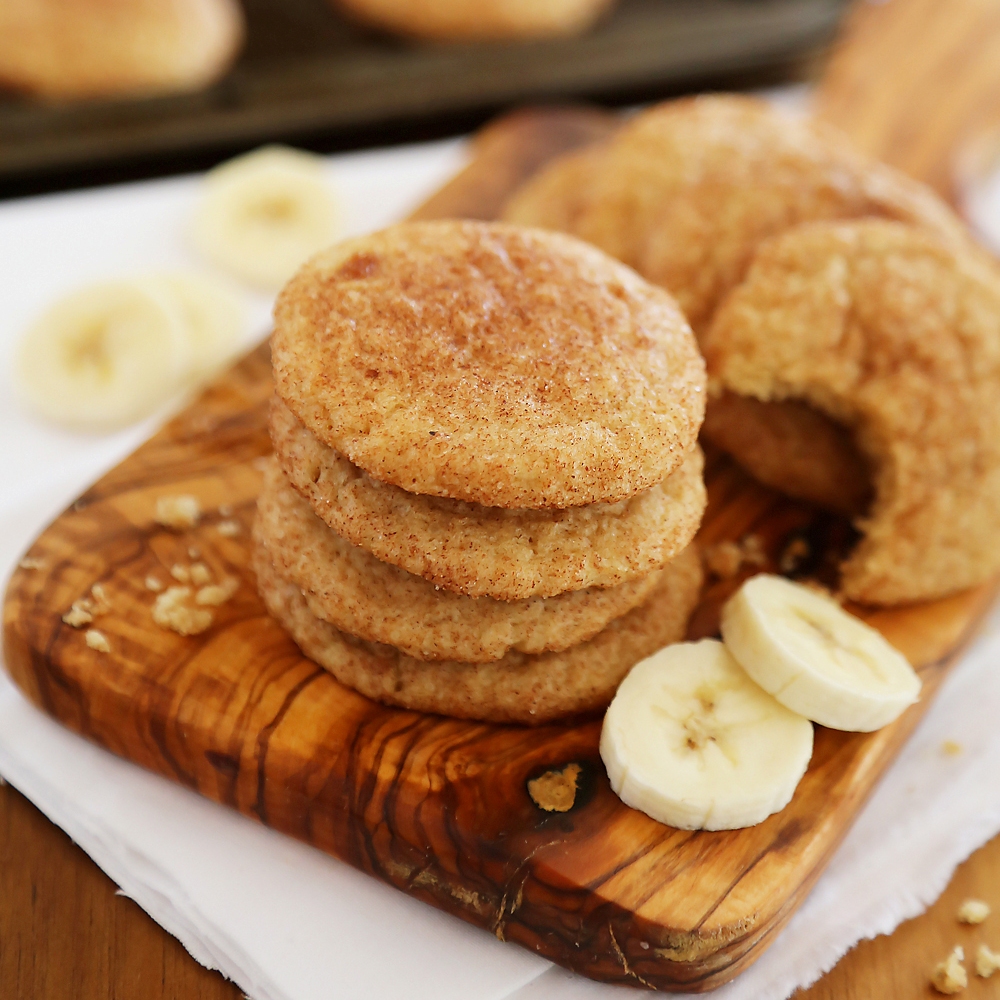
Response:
column 446, row 810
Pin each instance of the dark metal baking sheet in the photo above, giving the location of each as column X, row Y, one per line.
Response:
column 311, row 76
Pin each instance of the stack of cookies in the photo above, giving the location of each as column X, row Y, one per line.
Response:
column 486, row 473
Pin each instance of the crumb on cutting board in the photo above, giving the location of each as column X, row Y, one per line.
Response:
column 200, row 574
column 97, row 640
column 178, row 512
column 950, row 748
column 217, row 593
column 171, row 611
column 85, row 609
column 228, row 528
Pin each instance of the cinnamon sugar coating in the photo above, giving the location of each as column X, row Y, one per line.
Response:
column 895, row 336
column 520, row 688
column 349, row 588
column 686, row 191
column 489, row 363
column 493, row 551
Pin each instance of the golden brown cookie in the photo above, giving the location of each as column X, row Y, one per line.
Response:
column 687, row 190
column 489, row 363
column 91, row 48
column 519, row 688
column 793, row 448
column 349, row 588
column 896, row 337
column 493, row 551
column 479, row 20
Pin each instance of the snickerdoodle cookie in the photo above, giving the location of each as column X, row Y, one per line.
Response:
column 895, row 336
column 64, row 49
column 687, row 190
column 493, row 551
column 349, row 588
column 479, row 20
column 520, row 688
column 489, row 363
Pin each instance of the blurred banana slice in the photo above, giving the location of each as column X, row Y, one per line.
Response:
column 814, row 657
column 264, row 214
column 214, row 319
column 692, row 742
column 112, row 353
column 105, row 356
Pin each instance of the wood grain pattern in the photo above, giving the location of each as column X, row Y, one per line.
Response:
column 913, row 81
column 437, row 807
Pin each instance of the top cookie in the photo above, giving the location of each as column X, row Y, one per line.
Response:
column 489, row 363
column 686, row 191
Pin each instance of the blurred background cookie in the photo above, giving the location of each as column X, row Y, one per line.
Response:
column 63, row 49
column 686, row 191
column 479, row 20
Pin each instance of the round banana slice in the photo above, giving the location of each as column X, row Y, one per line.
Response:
column 104, row 356
column 691, row 741
column 264, row 214
column 214, row 318
column 816, row 658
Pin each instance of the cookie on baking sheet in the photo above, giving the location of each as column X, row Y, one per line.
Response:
column 349, row 588
column 67, row 49
column 479, row 20
column 493, row 551
column 489, row 363
column 518, row 688
column 686, row 190
column 895, row 336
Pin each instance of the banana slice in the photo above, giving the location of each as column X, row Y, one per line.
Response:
column 691, row 741
column 214, row 319
column 815, row 658
column 104, row 356
column 264, row 214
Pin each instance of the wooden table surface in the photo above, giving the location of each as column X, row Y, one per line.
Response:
column 64, row 933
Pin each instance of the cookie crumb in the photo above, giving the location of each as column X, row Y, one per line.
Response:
column 987, row 962
column 228, row 529
column 154, row 584
column 225, row 510
column 723, row 559
column 726, row 559
column 973, row 911
column 180, row 573
column 949, row 976
column 178, row 512
column 99, row 596
column 27, row 562
column 80, row 613
column 794, row 555
column 97, row 640
column 194, row 552
column 200, row 574
column 555, row 791
column 950, row 748
column 171, row 611
column 218, row 593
